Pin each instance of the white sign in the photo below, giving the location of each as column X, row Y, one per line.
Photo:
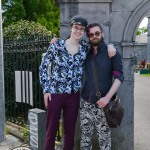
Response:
column 24, row 89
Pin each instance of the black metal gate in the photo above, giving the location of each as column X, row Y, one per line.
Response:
column 22, row 58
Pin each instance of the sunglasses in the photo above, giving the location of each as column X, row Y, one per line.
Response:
column 91, row 35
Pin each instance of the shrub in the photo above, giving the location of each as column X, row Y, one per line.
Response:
column 27, row 28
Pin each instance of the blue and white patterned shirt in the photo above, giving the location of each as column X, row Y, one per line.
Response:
column 67, row 69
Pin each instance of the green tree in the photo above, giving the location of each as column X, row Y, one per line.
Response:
column 12, row 11
column 141, row 30
column 46, row 12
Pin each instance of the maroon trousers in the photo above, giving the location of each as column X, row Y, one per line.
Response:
column 69, row 103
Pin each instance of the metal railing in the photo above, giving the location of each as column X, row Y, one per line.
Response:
column 22, row 58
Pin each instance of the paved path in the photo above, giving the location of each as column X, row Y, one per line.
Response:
column 10, row 143
column 142, row 113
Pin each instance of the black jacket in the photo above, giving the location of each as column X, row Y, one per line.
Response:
column 107, row 68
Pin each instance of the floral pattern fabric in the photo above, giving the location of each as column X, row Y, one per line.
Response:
column 66, row 69
column 90, row 117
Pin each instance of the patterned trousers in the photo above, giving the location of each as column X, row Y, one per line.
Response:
column 91, row 117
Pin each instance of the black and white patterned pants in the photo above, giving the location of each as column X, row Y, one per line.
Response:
column 91, row 116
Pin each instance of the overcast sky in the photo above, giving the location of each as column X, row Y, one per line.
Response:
column 144, row 22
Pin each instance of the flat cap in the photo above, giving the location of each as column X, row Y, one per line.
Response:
column 79, row 20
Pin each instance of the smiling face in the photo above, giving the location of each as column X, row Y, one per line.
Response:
column 77, row 31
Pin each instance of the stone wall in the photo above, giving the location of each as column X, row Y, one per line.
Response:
column 141, row 52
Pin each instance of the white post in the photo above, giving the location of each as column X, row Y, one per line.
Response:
column 2, row 104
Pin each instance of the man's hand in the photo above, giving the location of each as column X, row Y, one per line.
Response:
column 102, row 102
column 53, row 40
column 111, row 50
column 47, row 97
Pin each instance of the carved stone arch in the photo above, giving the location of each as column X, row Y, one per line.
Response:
column 137, row 16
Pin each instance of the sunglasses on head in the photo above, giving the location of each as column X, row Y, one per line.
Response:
column 91, row 35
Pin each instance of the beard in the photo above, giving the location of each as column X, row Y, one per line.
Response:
column 96, row 41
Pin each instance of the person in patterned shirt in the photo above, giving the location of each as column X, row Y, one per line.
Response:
column 61, row 88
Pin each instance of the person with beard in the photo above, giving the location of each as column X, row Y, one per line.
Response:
column 110, row 77
column 62, row 89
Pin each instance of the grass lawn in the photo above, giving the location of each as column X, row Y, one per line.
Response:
column 147, row 75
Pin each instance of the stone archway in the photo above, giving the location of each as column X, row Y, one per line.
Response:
column 129, row 45
column 133, row 22
column 129, row 34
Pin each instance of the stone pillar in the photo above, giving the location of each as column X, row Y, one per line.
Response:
column 148, row 40
column 112, row 17
column 2, row 105
column 37, row 128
